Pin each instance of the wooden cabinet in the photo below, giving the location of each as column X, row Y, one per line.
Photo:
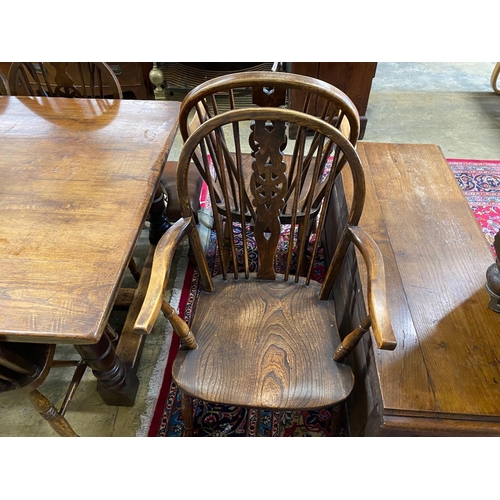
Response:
column 4, row 67
column 353, row 78
column 134, row 79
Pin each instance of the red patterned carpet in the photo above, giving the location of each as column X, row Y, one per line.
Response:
column 480, row 182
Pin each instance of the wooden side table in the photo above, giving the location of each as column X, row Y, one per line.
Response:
column 443, row 377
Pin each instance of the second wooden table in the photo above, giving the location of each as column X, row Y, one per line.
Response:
column 444, row 376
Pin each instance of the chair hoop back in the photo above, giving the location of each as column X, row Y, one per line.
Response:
column 270, row 184
column 271, row 89
column 268, row 89
column 64, row 79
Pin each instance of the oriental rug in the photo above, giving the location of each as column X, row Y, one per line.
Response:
column 480, row 183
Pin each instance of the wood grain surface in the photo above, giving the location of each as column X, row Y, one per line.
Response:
column 77, row 179
column 447, row 364
column 266, row 344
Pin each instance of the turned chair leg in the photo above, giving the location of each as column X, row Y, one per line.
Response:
column 337, row 419
column 51, row 415
column 75, row 382
column 187, row 409
column 134, row 270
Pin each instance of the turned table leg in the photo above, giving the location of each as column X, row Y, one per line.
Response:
column 158, row 221
column 116, row 384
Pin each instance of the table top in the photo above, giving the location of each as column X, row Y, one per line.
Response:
column 446, row 364
column 77, row 179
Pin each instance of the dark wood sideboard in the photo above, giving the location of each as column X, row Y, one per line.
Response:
column 353, row 78
column 134, row 79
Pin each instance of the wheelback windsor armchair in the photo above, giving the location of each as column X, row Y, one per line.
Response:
column 26, row 366
column 64, row 79
column 266, row 338
column 242, row 89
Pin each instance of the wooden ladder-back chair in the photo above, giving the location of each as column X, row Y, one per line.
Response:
column 64, row 79
column 271, row 89
column 266, row 338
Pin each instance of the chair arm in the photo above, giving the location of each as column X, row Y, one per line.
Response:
column 162, row 260
column 377, row 300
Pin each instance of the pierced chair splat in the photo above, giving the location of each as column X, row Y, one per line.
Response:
column 270, row 89
column 266, row 337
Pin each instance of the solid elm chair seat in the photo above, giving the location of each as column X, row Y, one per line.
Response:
column 273, row 319
column 169, row 182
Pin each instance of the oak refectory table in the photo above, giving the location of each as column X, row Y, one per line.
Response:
column 78, row 178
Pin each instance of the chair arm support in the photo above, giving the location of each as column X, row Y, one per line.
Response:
column 377, row 301
column 162, row 260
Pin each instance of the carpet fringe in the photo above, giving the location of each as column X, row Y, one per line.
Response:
column 157, row 376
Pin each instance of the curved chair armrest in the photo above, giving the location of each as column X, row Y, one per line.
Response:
column 162, row 260
column 494, row 78
column 377, row 302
